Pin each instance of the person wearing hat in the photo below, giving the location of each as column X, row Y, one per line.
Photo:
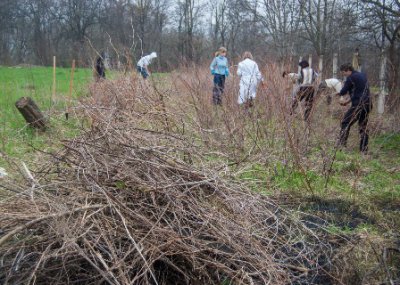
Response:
column 219, row 67
column 357, row 86
column 143, row 64
column 306, row 89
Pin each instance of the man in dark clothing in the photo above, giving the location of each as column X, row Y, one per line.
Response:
column 100, row 68
column 356, row 85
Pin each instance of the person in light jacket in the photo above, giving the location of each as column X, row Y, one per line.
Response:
column 143, row 64
column 306, row 89
column 219, row 67
column 250, row 76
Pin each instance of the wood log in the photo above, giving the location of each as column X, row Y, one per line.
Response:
column 31, row 113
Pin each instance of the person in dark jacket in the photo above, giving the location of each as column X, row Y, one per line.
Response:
column 100, row 67
column 356, row 85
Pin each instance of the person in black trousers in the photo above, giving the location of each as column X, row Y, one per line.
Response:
column 100, row 67
column 356, row 85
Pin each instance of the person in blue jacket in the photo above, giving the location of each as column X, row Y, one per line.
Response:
column 356, row 85
column 220, row 69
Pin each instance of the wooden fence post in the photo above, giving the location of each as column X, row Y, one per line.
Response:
column 356, row 62
column 321, row 67
column 71, row 84
column 53, row 94
column 335, row 65
column 298, row 66
column 382, row 85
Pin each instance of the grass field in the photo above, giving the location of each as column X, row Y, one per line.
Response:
column 37, row 83
column 378, row 176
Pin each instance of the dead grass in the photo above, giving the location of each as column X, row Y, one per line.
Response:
column 150, row 193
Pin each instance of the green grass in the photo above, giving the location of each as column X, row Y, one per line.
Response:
column 370, row 184
column 36, row 82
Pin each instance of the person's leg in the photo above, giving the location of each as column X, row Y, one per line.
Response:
column 363, row 128
column 348, row 120
column 143, row 72
column 216, row 90
column 296, row 99
column 219, row 84
column 222, row 88
column 309, row 97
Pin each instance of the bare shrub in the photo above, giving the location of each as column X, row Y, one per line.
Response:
column 134, row 200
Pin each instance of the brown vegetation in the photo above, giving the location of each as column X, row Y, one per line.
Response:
column 149, row 194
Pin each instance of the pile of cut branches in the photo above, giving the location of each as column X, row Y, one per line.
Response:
column 125, row 204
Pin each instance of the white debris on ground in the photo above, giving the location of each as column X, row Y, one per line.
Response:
column 3, row 172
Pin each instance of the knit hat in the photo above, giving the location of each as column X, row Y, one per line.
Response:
column 304, row 64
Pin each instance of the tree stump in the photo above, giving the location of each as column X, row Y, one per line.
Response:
column 31, row 113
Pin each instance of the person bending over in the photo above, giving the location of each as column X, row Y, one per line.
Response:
column 143, row 64
column 357, row 86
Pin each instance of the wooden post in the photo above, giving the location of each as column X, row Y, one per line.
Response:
column 30, row 111
column 356, row 60
column 310, row 60
column 53, row 95
column 71, row 85
column 382, row 85
column 335, row 65
column 298, row 66
column 321, row 67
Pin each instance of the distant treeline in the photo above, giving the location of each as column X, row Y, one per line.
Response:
column 187, row 31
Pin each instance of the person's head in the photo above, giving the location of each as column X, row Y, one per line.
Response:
column 153, row 54
column 346, row 69
column 221, row 51
column 247, row 54
column 304, row 64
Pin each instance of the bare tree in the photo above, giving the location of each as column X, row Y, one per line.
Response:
column 188, row 18
column 77, row 17
column 282, row 22
column 317, row 19
column 383, row 24
column 7, row 19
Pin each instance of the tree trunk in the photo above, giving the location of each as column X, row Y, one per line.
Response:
column 30, row 111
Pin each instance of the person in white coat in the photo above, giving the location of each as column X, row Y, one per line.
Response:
column 143, row 64
column 250, row 76
column 330, row 84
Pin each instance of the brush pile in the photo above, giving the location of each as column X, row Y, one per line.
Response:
column 131, row 201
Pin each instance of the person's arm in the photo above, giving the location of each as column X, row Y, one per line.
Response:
column 213, row 63
column 227, row 68
column 147, row 68
column 259, row 75
column 346, row 87
column 239, row 70
column 300, row 77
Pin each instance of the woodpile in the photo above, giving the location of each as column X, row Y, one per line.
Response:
column 121, row 205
